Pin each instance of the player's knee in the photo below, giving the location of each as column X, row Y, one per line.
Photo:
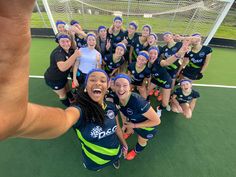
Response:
column 188, row 115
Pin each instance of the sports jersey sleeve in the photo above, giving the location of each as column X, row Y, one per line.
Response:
column 196, row 94
column 187, row 54
column 129, row 67
column 142, row 105
column 79, row 122
column 59, row 57
column 176, row 92
column 209, row 50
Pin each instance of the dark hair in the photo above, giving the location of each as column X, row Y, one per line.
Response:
column 92, row 111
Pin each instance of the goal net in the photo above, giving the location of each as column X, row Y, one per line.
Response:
column 181, row 17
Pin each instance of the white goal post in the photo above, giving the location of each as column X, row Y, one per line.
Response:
column 183, row 17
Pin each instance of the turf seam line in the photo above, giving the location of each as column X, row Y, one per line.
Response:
column 200, row 85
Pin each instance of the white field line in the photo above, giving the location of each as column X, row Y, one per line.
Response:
column 200, row 85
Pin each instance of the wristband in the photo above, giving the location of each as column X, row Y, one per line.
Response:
column 177, row 56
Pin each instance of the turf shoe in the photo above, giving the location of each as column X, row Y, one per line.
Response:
column 131, row 155
column 126, row 135
column 159, row 111
column 116, row 164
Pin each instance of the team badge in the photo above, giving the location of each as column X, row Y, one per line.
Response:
column 133, row 71
column 201, row 54
column 110, row 114
column 129, row 111
column 174, row 49
column 141, row 76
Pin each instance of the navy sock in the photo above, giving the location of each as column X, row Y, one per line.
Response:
column 139, row 148
column 65, row 101
column 162, row 107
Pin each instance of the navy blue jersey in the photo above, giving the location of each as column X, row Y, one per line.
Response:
column 181, row 98
column 115, row 39
column 138, row 77
column 135, row 108
column 53, row 73
column 80, row 42
column 197, row 60
column 100, row 144
column 160, row 76
column 111, row 64
column 167, row 52
column 137, row 48
column 129, row 44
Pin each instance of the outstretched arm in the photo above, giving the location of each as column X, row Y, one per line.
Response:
column 17, row 116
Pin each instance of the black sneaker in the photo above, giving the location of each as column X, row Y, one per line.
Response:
column 116, row 164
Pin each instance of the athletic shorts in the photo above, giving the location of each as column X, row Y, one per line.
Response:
column 136, row 83
column 146, row 133
column 172, row 73
column 81, row 77
column 56, row 85
column 189, row 75
column 166, row 84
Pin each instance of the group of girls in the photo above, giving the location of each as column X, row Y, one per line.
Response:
column 110, row 65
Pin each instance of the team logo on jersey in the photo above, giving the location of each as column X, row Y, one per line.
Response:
column 181, row 96
column 95, row 131
column 201, row 54
column 137, row 45
column 110, row 114
column 166, row 50
column 149, row 136
column 191, row 55
column 98, row 133
column 141, row 76
column 129, row 111
column 137, row 50
column 56, row 87
column 67, row 57
column 167, row 85
column 156, row 74
column 133, row 71
column 118, row 38
column 174, row 49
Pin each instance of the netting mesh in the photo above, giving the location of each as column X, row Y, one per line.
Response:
column 182, row 17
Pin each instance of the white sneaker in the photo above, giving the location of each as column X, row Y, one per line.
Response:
column 168, row 108
column 159, row 111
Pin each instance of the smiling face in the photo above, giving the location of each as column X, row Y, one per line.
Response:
column 146, row 32
column 91, row 41
column 65, row 43
column 131, row 29
column 119, row 51
column 141, row 61
column 196, row 40
column 61, row 28
column 122, row 88
column 117, row 24
column 186, row 86
column 102, row 33
column 168, row 37
column 151, row 40
column 97, row 86
column 153, row 54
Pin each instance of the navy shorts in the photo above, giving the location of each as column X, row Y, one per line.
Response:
column 146, row 133
column 56, row 85
column 166, row 84
column 189, row 75
column 80, row 77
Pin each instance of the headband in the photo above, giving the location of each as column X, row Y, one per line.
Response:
column 196, row 34
column 124, row 76
column 165, row 33
column 95, row 70
column 117, row 18
column 101, row 27
column 153, row 48
column 134, row 25
column 184, row 81
column 73, row 22
column 90, row 34
column 154, row 35
column 142, row 53
column 63, row 36
column 60, row 23
column 121, row 45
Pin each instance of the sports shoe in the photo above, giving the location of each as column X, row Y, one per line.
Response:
column 156, row 92
column 151, row 92
column 168, row 108
column 126, row 135
column 116, row 164
column 158, row 111
column 131, row 155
